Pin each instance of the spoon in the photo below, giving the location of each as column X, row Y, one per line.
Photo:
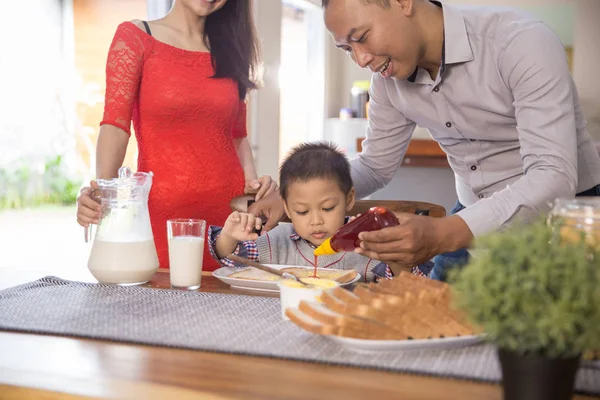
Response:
column 262, row 267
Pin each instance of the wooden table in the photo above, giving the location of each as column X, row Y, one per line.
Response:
column 52, row 367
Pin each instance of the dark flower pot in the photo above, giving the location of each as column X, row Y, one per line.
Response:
column 534, row 377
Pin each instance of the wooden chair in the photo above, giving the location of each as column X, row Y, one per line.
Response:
column 241, row 204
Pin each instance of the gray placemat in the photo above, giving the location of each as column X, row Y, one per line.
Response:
column 222, row 323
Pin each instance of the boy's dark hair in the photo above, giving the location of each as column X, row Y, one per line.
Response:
column 316, row 160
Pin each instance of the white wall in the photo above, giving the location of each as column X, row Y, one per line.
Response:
column 263, row 110
column 157, row 8
column 33, row 76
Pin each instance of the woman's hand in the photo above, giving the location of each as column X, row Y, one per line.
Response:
column 88, row 210
column 262, row 186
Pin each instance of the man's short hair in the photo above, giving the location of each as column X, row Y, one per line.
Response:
column 382, row 3
column 316, row 160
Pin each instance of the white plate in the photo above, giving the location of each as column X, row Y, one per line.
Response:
column 223, row 273
column 363, row 345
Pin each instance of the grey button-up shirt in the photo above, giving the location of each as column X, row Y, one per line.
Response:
column 504, row 108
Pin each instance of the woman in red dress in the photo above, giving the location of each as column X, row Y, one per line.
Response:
column 182, row 81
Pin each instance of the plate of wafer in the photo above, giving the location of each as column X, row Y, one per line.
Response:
column 406, row 312
column 251, row 278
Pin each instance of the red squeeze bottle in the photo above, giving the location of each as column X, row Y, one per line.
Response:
column 346, row 238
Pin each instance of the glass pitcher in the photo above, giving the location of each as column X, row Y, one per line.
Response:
column 577, row 218
column 123, row 251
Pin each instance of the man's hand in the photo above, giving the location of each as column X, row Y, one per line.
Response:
column 271, row 207
column 415, row 240
column 262, row 186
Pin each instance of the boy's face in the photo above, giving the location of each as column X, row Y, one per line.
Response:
column 317, row 208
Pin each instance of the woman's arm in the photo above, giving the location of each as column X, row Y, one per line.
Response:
column 110, row 151
column 244, row 152
column 261, row 186
column 124, row 67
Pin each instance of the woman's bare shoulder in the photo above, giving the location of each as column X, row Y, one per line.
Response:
column 139, row 23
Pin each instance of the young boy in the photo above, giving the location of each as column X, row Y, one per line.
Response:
column 317, row 192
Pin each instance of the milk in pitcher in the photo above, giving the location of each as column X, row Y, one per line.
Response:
column 122, row 262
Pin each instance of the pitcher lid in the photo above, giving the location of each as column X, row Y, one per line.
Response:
column 126, row 178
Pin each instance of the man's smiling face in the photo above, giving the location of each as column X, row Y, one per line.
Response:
column 377, row 36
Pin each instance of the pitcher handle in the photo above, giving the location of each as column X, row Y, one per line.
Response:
column 95, row 194
column 87, row 233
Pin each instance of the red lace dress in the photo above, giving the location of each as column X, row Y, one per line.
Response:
column 184, row 122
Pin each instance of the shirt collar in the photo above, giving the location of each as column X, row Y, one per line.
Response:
column 455, row 46
column 295, row 237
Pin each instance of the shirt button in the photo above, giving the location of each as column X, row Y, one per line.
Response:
column 436, row 89
column 473, row 167
column 448, row 124
column 480, row 196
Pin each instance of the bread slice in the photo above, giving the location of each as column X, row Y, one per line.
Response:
column 254, row 274
column 333, row 302
column 310, row 324
column 345, row 295
column 367, row 295
column 395, row 317
column 339, row 275
column 407, row 307
column 408, row 277
column 348, row 276
column 312, row 317
column 320, row 313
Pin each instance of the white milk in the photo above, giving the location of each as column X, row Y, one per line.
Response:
column 185, row 259
column 123, row 262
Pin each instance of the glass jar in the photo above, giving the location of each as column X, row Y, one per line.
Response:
column 577, row 218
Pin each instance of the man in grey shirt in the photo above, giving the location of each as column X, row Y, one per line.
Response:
column 493, row 87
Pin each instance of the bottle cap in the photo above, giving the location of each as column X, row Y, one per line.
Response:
column 325, row 248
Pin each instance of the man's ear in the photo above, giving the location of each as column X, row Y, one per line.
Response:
column 405, row 5
column 350, row 199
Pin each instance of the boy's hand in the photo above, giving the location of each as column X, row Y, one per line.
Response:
column 240, row 226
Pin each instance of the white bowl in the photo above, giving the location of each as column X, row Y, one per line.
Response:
column 291, row 296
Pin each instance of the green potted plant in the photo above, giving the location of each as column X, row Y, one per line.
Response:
column 538, row 300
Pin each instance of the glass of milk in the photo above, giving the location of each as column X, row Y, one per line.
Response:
column 186, row 250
